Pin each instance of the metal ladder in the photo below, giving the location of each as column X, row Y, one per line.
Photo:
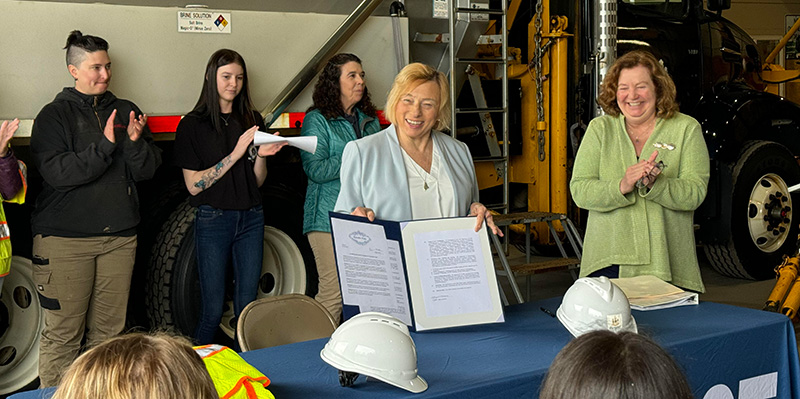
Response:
column 460, row 13
column 529, row 268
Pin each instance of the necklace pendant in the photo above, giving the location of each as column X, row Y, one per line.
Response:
column 425, row 185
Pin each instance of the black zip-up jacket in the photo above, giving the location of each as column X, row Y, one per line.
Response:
column 89, row 182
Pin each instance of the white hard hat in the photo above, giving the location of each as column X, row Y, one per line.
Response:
column 376, row 345
column 595, row 303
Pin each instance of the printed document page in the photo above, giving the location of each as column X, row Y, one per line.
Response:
column 451, row 273
column 370, row 269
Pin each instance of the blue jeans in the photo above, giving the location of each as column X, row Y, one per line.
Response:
column 222, row 236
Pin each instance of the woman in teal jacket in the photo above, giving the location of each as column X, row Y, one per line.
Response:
column 342, row 112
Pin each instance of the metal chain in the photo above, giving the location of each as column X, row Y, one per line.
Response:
column 537, row 66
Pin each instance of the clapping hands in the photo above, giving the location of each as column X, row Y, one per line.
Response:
column 646, row 171
column 7, row 129
column 135, row 126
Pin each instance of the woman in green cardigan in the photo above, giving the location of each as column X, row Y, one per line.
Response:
column 342, row 112
column 641, row 171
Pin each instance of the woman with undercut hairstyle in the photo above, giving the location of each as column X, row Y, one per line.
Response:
column 91, row 149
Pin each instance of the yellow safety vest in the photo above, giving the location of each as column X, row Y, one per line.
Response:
column 5, row 233
column 233, row 377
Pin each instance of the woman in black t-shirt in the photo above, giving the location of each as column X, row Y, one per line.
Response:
column 223, row 171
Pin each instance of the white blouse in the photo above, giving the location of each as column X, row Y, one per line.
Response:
column 432, row 194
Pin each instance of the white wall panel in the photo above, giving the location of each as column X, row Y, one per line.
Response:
column 160, row 69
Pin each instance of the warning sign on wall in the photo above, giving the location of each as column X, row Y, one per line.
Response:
column 202, row 21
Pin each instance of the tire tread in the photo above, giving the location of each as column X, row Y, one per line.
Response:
column 723, row 256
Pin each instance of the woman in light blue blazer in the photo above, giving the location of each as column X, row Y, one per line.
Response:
column 411, row 170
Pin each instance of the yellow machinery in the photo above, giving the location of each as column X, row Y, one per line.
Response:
column 774, row 74
column 543, row 163
column 542, row 166
column 785, row 297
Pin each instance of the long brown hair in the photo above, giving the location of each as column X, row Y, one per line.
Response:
column 208, row 103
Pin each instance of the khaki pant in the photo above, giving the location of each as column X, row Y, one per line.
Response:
column 83, row 286
column 329, row 294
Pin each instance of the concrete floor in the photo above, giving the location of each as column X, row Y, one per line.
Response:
column 733, row 291
column 721, row 289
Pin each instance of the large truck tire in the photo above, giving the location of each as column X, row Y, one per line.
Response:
column 21, row 323
column 762, row 228
column 173, row 290
column 158, row 199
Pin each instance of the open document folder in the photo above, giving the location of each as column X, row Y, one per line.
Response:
column 305, row 143
column 652, row 293
column 430, row 274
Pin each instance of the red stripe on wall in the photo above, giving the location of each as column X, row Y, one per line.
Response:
column 169, row 124
column 296, row 119
column 163, row 124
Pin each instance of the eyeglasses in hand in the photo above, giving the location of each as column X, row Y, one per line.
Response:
column 657, row 168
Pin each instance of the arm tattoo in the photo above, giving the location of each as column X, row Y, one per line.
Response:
column 213, row 174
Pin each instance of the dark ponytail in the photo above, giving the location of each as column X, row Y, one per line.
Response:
column 78, row 44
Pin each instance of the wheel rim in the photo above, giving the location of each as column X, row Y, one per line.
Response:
column 20, row 329
column 282, row 272
column 769, row 213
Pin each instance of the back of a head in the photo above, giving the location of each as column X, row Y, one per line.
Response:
column 79, row 44
column 138, row 366
column 606, row 365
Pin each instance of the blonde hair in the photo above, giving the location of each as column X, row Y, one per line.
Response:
column 138, row 366
column 666, row 106
column 407, row 80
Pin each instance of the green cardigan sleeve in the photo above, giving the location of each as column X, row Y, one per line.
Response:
column 590, row 189
column 686, row 190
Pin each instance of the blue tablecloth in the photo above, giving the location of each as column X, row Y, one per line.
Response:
column 719, row 346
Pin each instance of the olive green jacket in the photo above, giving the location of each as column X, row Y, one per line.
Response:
column 647, row 231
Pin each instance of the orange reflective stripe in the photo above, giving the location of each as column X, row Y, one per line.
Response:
column 251, row 392
column 244, row 382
